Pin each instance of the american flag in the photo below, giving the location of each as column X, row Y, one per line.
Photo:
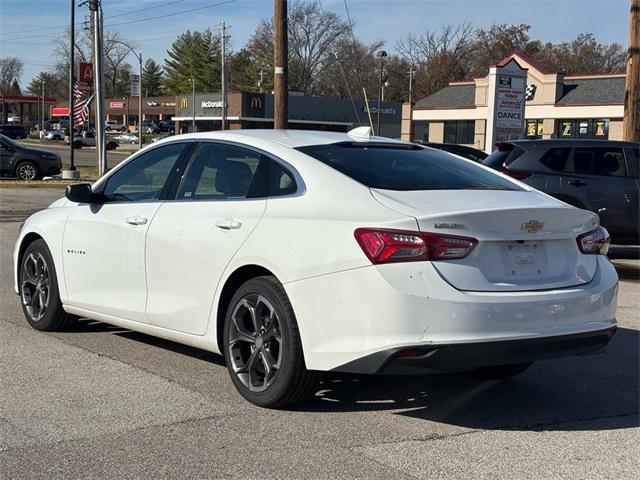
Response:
column 80, row 109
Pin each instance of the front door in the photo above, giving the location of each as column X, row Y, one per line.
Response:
column 7, row 152
column 104, row 244
column 192, row 238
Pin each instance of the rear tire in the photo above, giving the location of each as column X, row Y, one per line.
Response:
column 501, row 372
column 39, row 291
column 262, row 346
column 77, row 145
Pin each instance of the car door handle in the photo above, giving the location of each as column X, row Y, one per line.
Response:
column 137, row 220
column 577, row 183
column 228, row 224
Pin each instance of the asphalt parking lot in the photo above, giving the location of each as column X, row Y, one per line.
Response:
column 103, row 402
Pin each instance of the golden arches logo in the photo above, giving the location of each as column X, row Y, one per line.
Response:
column 184, row 102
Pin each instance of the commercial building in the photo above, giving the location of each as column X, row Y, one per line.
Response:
column 24, row 109
column 254, row 110
column 556, row 106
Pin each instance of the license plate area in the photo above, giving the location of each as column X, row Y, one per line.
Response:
column 525, row 259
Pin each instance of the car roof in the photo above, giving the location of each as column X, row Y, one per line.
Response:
column 289, row 138
column 572, row 142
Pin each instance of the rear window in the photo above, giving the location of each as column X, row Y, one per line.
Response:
column 503, row 156
column 599, row 161
column 404, row 167
column 556, row 159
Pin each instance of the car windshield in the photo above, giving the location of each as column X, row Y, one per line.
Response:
column 406, row 167
column 8, row 140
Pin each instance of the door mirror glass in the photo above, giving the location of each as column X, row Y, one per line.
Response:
column 79, row 193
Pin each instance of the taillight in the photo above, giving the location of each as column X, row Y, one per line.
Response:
column 514, row 174
column 388, row 246
column 595, row 242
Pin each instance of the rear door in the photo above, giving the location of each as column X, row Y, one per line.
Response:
column 192, row 238
column 601, row 178
column 7, row 152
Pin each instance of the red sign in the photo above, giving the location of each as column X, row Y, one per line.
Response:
column 60, row 111
column 86, row 73
column 116, row 104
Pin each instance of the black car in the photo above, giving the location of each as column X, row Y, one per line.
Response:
column 27, row 163
column 17, row 132
column 463, row 151
column 166, row 126
column 597, row 175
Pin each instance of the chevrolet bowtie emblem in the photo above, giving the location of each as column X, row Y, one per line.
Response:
column 532, row 226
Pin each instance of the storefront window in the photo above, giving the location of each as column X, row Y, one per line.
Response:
column 459, row 131
column 584, row 128
column 421, row 130
column 534, row 129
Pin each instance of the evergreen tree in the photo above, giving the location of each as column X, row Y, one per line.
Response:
column 54, row 85
column 193, row 55
column 151, row 78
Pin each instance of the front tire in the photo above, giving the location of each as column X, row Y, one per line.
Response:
column 39, row 292
column 27, row 171
column 262, row 346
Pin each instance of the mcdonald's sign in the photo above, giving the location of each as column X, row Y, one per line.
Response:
column 254, row 104
column 86, row 73
column 184, row 102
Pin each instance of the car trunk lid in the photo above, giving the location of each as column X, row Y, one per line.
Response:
column 526, row 239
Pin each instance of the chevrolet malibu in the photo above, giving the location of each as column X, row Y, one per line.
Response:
column 297, row 252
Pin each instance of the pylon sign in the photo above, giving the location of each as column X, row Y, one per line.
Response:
column 85, row 76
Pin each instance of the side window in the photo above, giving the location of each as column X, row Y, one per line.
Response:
column 219, row 171
column 281, row 181
column 145, row 177
column 556, row 159
column 599, row 161
column 633, row 160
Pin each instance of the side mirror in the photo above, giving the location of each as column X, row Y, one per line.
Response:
column 80, row 193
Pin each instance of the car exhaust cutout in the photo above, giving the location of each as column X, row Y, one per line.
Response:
column 392, row 246
column 595, row 242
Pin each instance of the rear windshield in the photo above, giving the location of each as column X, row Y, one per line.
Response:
column 405, row 167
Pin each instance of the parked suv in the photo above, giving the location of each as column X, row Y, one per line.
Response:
column 597, row 175
column 111, row 125
column 17, row 132
column 27, row 163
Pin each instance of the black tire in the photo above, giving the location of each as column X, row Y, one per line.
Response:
column 108, row 129
column 52, row 317
column 292, row 382
column 501, row 372
column 77, row 145
column 27, row 170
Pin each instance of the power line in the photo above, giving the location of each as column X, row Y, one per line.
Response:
column 40, row 35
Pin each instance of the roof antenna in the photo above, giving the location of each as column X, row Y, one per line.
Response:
column 363, row 133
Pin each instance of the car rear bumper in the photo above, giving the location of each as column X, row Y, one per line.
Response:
column 420, row 359
column 350, row 315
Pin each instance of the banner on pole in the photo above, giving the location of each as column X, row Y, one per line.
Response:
column 135, row 85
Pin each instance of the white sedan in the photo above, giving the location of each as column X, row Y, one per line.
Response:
column 126, row 138
column 296, row 252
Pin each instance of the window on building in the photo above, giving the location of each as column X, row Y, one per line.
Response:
column 459, row 131
column 584, row 128
column 421, row 130
column 534, row 129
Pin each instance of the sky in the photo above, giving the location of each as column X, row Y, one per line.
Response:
column 28, row 27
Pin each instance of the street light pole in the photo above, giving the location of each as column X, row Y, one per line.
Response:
column 193, row 106
column 381, row 54
column 98, row 79
column 42, row 117
column 72, row 46
column 223, row 80
column 411, row 72
column 140, row 103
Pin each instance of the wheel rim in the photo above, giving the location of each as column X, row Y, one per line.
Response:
column 255, row 342
column 35, row 285
column 27, row 172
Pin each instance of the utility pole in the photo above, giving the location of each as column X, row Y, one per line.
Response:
column 280, row 62
column 261, row 82
column 631, row 124
column 140, row 102
column 98, row 81
column 71, row 172
column 411, row 72
column 223, row 80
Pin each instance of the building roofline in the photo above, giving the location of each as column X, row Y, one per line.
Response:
column 590, row 76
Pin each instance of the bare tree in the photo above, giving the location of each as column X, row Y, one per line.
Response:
column 11, row 69
column 313, row 33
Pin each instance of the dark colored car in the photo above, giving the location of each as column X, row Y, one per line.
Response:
column 463, row 151
column 17, row 132
column 166, row 126
column 26, row 163
column 597, row 175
